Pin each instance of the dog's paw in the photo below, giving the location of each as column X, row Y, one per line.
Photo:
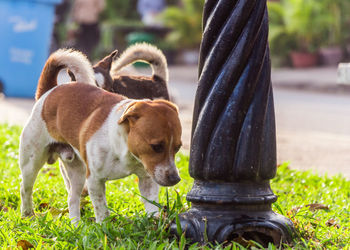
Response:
column 28, row 213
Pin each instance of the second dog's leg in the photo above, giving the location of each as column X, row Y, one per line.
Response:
column 76, row 174
column 149, row 189
column 97, row 192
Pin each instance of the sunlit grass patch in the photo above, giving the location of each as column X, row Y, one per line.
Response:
column 319, row 206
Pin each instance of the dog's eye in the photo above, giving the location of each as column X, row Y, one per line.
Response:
column 158, row 148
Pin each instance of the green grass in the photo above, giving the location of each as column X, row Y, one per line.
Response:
column 129, row 228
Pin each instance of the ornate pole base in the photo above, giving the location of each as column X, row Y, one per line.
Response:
column 208, row 224
column 222, row 212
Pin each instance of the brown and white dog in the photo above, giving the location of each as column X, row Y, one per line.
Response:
column 112, row 137
column 108, row 77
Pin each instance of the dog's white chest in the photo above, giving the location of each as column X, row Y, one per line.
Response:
column 109, row 157
column 116, row 168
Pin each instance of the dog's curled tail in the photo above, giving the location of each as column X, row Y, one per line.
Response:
column 71, row 59
column 143, row 52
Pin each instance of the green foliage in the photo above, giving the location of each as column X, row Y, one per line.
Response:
column 186, row 23
column 307, row 25
column 338, row 31
column 121, row 9
column 124, row 10
column 325, row 227
column 122, row 13
column 298, row 24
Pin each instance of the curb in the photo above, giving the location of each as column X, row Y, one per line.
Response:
column 332, row 88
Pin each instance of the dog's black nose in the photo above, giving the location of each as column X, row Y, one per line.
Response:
column 174, row 179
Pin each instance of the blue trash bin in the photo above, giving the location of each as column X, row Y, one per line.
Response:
column 25, row 31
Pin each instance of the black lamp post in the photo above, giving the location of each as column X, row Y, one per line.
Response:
column 233, row 147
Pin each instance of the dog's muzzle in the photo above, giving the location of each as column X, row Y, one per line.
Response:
column 166, row 175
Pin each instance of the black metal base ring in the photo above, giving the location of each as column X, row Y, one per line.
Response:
column 208, row 225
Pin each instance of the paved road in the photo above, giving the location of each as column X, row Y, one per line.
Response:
column 313, row 131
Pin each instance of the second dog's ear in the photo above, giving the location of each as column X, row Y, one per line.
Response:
column 106, row 62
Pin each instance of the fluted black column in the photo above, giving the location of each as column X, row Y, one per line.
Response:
column 233, row 147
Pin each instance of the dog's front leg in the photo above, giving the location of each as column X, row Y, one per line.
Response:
column 149, row 189
column 97, row 192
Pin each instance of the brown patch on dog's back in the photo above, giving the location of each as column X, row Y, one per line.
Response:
column 74, row 112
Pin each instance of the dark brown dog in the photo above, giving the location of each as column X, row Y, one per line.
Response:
column 137, row 87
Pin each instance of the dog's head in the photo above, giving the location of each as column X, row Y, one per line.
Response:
column 102, row 75
column 154, row 137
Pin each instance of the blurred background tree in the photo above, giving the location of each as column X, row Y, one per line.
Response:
column 121, row 9
column 186, row 24
column 182, row 19
column 308, row 26
column 319, row 27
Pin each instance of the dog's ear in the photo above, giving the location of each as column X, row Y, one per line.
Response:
column 167, row 103
column 106, row 62
column 114, row 55
column 131, row 113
